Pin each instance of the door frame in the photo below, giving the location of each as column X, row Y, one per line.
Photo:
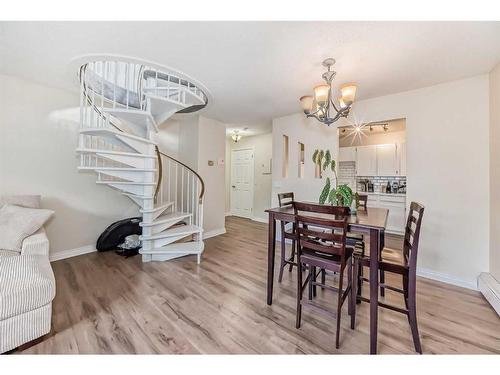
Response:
column 231, row 181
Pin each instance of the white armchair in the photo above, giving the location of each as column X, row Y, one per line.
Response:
column 27, row 288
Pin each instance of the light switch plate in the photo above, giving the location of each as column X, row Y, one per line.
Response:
column 220, row 161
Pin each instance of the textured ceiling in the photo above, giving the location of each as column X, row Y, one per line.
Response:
column 258, row 70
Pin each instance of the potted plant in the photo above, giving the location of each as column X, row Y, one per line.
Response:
column 339, row 195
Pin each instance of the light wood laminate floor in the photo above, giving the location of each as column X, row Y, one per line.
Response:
column 109, row 304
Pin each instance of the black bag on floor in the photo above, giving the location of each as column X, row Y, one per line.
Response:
column 115, row 234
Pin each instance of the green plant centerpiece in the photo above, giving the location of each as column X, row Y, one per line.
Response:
column 336, row 195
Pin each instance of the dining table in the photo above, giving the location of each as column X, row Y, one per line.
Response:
column 371, row 221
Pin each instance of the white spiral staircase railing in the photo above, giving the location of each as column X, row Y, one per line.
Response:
column 122, row 104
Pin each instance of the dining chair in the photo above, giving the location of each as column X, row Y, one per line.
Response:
column 362, row 202
column 357, row 240
column 407, row 268
column 321, row 243
column 286, row 200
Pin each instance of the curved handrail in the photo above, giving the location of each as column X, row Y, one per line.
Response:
column 202, row 191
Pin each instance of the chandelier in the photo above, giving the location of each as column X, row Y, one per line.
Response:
column 321, row 106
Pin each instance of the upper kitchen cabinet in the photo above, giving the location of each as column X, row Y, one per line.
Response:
column 366, row 161
column 387, row 160
column 347, row 154
column 402, row 158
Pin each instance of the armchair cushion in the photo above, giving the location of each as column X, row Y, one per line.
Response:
column 17, row 223
column 28, row 201
column 36, row 244
column 26, row 283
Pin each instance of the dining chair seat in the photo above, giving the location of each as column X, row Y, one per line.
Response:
column 318, row 259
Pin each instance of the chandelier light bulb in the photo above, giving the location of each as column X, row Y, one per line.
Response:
column 321, row 94
column 307, row 103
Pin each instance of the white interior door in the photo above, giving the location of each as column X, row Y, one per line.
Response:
column 242, row 167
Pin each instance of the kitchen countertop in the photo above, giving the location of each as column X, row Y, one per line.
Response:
column 380, row 193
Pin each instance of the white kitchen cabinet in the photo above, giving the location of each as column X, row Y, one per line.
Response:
column 347, row 154
column 402, row 158
column 366, row 161
column 396, row 204
column 397, row 212
column 387, row 160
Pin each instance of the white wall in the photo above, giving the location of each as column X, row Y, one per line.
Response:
column 495, row 172
column 262, row 145
column 188, row 149
column 228, row 176
column 168, row 138
column 212, row 146
column 314, row 136
column 374, row 139
column 447, row 137
column 37, row 156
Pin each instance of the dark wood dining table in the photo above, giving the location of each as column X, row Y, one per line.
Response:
column 371, row 221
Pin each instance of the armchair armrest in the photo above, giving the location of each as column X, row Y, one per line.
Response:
column 36, row 244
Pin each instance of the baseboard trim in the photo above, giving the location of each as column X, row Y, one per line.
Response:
column 72, row 253
column 213, row 233
column 447, row 279
column 260, row 219
column 228, row 213
column 490, row 288
column 91, row 248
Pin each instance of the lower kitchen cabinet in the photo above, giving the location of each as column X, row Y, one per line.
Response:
column 396, row 204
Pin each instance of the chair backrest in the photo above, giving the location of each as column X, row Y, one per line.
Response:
column 325, row 234
column 412, row 235
column 320, row 209
column 362, row 201
column 285, row 199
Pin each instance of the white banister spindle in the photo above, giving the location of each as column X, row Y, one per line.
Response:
column 103, row 78
column 116, row 83
column 182, row 189
column 192, row 194
column 126, row 85
column 188, row 175
column 176, row 184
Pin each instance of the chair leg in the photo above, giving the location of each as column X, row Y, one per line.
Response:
column 299, row 294
column 353, row 295
column 349, row 285
column 323, row 277
column 310, row 286
column 292, row 258
column 412, row 313
column 382, row 281
column 314, row 279
column 339, row 309
column 283, row 256
column 405, row 290
column 359, row 279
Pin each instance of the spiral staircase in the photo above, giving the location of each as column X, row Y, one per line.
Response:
column 122, row 105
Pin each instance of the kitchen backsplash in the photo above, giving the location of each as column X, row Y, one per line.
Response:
column 378, row 182
column 347, row 173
